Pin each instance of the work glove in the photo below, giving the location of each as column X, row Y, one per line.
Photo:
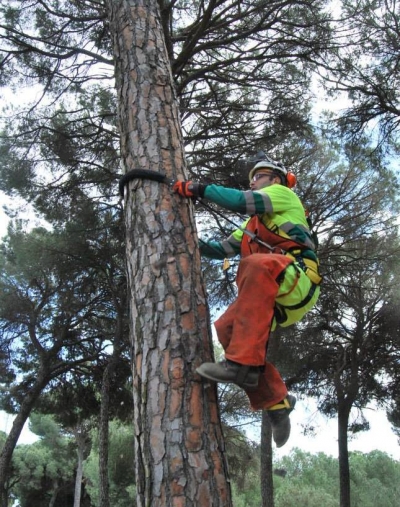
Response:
column 189, row 189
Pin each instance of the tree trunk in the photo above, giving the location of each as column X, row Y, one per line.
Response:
column 107, row 381
column 104, row 481
column 17, row 427
column 103, row 436
column 80, row 437
column 54, row 493
column 180, row 459
column 266, row 479
column 344, row 469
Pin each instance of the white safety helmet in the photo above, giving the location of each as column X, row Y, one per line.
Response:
column 287, row 178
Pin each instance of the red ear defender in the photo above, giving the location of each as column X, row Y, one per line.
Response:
column 291, row 179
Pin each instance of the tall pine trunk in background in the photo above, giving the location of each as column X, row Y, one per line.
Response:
column 179, row 445
column 344, row 468
column 266, row 469
column 81, row 443
column 107, row 385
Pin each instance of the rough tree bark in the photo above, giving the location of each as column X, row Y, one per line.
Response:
column 180, row 459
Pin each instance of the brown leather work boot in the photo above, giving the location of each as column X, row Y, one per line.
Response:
column 280, row 421
column 230, row 372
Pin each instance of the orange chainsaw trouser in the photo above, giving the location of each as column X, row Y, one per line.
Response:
column 243, row 330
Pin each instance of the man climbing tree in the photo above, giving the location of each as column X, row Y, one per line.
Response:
column 278, row 282
column 178, row 439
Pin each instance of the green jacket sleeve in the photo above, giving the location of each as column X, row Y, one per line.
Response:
column 229, row 247
column 212, row 249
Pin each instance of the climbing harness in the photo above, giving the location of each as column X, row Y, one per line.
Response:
column 282, row 243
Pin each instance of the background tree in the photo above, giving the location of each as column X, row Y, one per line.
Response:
column 365, row 70
column 46, row 468
column 389, row 326
column 121, row 466
column 75, row 418
column 77, row 404
column 314, row 478
column 55, row 320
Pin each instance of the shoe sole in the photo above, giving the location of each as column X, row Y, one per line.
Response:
column 220, row 381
